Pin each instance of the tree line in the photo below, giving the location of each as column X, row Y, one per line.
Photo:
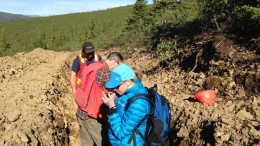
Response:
column 157, row 27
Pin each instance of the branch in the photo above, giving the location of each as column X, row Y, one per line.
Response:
column 219, row 43
column 196, row 60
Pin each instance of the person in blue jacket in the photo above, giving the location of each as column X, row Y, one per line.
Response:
column 123, row 82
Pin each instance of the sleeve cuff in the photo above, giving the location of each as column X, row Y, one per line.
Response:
column 112, row 110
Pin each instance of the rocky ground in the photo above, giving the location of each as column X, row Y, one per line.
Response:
column 37, row 107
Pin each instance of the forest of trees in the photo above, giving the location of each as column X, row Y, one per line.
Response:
column 62, row 32
column 156, row 27
column 163, row 24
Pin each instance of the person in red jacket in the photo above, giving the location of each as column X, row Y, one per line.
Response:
column 88, row 97
column 85, row 58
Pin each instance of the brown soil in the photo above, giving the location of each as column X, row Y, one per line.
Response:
column 37, row 107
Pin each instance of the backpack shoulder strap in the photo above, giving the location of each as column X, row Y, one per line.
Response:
column 137, row 96
column 135, row 130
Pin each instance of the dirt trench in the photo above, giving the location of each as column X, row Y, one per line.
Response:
column 35, row 101
column 37, row 106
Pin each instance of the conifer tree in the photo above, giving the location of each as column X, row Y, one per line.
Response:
column 4, row 45
column 41, row 41
column 138, row 17
column 86, row 33
column 92, row 29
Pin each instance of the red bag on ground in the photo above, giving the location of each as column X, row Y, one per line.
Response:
column 206, row 97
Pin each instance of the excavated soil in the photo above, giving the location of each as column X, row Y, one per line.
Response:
column 37, row 107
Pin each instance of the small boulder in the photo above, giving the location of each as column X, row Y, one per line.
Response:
column 183, row 132
column 13, row 115
column 243, row 114
column 23, row 137
column 225, row 137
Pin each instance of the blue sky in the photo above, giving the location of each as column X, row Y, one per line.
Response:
column 57, row 7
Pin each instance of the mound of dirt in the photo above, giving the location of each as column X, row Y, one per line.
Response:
column 38, row 107
column 32, row 90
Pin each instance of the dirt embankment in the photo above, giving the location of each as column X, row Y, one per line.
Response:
column 37, row 107
column 33, row 92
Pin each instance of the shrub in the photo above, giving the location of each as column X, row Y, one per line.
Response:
column 236, row 16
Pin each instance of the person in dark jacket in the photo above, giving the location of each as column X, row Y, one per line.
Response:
column 85, row 58
column 123, row 82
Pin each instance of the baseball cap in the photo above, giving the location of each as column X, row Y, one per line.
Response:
column 88, row 47
column 121, row 73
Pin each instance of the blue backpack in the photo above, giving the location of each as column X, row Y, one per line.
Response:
column 158, row 122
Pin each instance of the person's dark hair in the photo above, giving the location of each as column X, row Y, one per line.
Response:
column 87, row 47
column 115, row 56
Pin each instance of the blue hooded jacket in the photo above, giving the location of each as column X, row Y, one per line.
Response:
column 124, row 121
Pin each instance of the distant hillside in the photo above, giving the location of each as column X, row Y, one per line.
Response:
column 9, row 17
column 63, row 31
column 105, row 28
